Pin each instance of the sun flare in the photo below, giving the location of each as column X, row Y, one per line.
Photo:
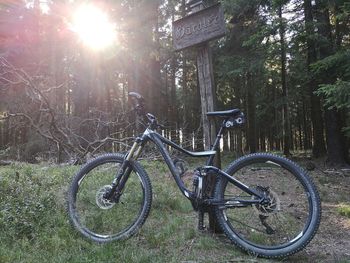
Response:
column 93, row 27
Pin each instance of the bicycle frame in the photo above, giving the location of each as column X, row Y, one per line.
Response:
column 159, row 141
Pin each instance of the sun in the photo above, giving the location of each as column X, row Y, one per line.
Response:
column 93, row 27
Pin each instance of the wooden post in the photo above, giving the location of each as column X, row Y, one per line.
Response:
column 196, row 30
column 206, row 84
column 206, row 87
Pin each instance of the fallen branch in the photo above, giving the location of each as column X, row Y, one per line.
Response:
column 4, row 163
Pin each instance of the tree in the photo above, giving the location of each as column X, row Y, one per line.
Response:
column 319, row 148
column 337, row 154
column 286, row 115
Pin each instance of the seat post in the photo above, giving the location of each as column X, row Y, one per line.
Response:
column 216, row 144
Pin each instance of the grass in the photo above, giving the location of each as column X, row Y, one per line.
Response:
column 344, row 210
column 35, row 225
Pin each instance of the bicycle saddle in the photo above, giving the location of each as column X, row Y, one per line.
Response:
column 225, row 113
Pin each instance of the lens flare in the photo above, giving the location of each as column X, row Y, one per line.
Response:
column 93, row 27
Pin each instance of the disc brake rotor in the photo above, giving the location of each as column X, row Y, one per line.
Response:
column 273, row 206
column 102, row 202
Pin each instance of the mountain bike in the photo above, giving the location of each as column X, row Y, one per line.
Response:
column 265, row 204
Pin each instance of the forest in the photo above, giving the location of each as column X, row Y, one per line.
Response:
column 285, row 64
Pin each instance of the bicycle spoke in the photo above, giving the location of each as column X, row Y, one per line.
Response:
column 244, row 224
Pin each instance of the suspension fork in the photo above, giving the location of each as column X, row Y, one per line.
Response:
column 124, row 172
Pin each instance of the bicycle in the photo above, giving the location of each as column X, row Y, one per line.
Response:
column 265, row 204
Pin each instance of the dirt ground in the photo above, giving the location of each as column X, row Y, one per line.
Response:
column 332, row 241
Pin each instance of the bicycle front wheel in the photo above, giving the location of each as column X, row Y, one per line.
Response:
column 102, row 220
column 279, row 228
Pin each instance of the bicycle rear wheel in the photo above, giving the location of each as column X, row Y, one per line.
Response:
column 98, row 218
column 283, row 226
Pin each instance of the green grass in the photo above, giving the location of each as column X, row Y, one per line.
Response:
column 344, row 210
column 35, row 226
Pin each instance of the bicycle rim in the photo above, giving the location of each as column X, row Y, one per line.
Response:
column 283, row 221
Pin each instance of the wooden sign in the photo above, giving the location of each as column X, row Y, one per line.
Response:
column 199, row 27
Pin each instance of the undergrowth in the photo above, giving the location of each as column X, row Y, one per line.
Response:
column 35, row 225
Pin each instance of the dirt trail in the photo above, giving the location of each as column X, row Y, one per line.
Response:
column 332, row 241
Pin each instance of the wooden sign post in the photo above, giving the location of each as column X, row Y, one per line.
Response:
column 197, row 29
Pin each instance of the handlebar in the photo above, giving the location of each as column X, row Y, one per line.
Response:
column 153, row 121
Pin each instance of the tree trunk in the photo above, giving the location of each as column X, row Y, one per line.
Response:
column 2, row 137
column 236, row 135
column 251, row 106
column 286, row 120
column 173, row 100
column 186, row 93
column 318, row 146
column 155, row 62
column 335, row 146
